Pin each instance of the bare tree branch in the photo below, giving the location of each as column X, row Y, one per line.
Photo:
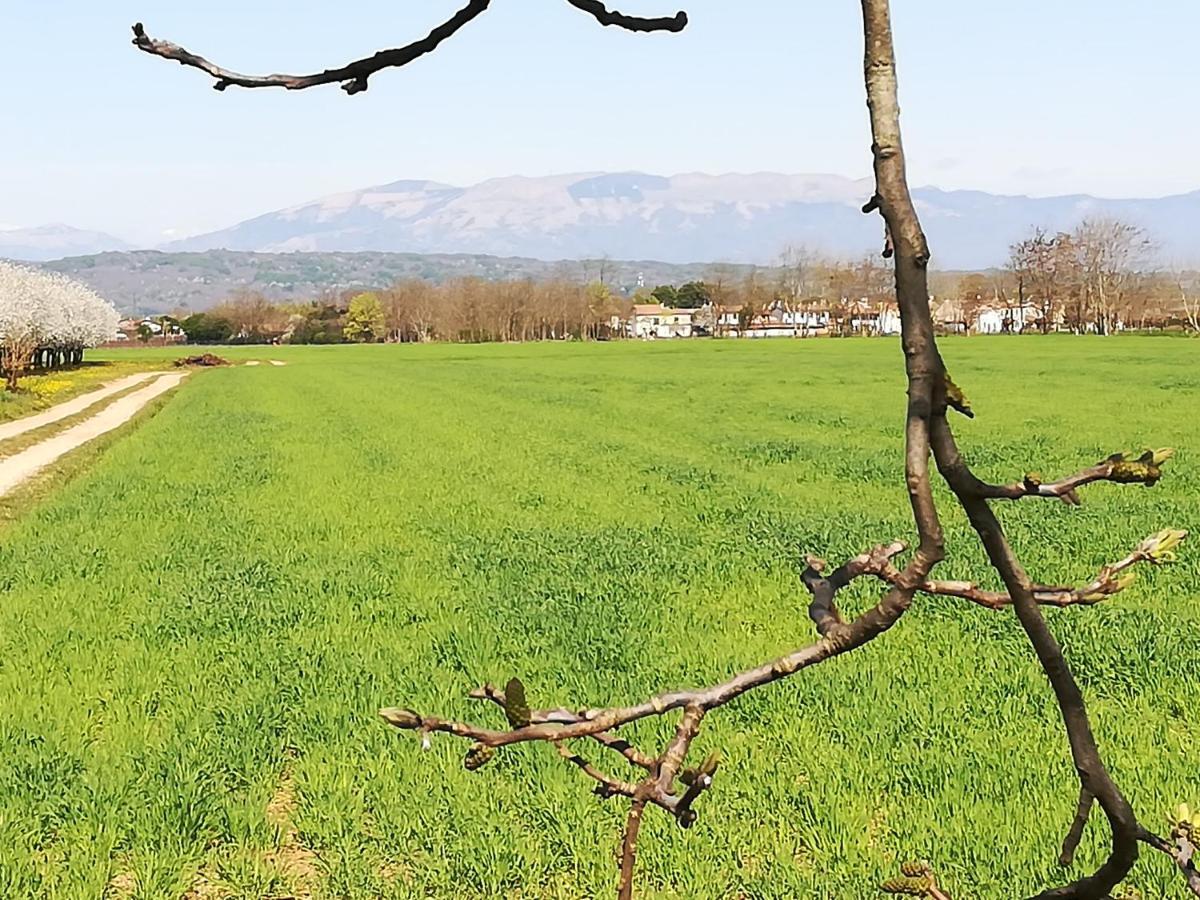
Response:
column 561, row 725
column 677, row 22
column 1121, row 468
column 1155, row 550
column 608, row 786
column 823, row 609
column 354, row 76
column 629, row 849
column 566, row 717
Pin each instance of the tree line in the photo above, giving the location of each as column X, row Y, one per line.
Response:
column 475, row 310
column 1095, row 278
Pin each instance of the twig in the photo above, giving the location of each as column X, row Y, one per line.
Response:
column 353, row 76
column 1154, row 550
column 607, row 787
column 677, row 22
column 1120, row 468
column 1078, row 824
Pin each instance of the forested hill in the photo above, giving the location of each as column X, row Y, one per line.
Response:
column 149, row 281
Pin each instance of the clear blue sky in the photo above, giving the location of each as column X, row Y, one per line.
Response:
column 1020, row 96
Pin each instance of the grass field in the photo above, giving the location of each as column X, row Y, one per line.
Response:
column 196, row 633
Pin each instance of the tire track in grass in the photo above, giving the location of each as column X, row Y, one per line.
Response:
column 17, row 469
column 14, row 445
column 296, row 863
column 71, row 407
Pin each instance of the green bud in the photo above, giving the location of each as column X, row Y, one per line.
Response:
column 1169, row 539
column 516, row 707
column 710, row 764
column 910, row 886
column 1160, row 547
column 1135, row 472
column 400, row 718
column 1158, row 457
column 478, row 756
column 956, row 399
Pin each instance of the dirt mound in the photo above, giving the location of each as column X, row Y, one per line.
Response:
column 207, row 359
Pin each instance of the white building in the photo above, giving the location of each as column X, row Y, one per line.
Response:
column 651, row 321
column 987, row 319
column 775, row 322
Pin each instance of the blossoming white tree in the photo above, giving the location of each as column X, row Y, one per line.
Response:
column 48, row 319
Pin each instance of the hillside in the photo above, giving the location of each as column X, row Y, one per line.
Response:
column 149, row 281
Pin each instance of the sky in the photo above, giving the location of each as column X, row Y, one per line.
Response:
column 1035, row 97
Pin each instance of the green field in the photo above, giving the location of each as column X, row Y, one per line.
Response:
column 196, row 632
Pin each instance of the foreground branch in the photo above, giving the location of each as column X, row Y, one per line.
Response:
column 1154, row 550
column 1120, row 468
column 677, row 22
column 354, row 76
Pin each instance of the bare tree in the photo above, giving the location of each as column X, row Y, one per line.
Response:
column 1111, row 253
column 253, row 316
column 409, row 310
column 972, row 298
column 754, row 298
column 1189, row 302
column 721, row 295
column 796, row 268
column 1043, row 266
column 664, row 779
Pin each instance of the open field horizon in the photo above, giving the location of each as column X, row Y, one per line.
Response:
column 196, row 633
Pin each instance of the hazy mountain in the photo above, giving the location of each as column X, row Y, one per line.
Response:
column 684, row 218
column 55, row 241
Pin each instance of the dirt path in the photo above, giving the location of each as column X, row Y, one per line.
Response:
column 71, row 407
column 16, row 469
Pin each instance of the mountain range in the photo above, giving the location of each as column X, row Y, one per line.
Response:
column 678, row 219
column 55, row 241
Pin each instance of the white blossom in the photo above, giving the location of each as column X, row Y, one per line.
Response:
column 51, row 310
